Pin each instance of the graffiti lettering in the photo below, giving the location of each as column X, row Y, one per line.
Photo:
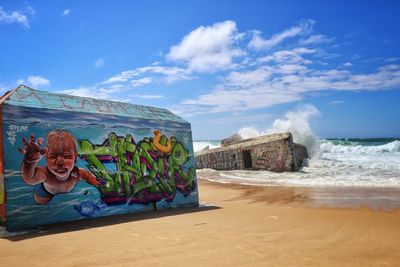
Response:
column 12, row 132
column 151, row 170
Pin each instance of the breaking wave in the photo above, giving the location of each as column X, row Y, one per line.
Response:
column 342, row 162
column 199, row 145
column 297, row 122
column 358, row 147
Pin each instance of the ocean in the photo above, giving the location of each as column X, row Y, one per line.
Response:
column 343, row 162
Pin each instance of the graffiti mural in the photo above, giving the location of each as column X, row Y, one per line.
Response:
column 60, row 175
column 147, row 171
column 66, row 158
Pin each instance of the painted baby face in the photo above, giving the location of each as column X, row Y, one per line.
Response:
column 61, row 159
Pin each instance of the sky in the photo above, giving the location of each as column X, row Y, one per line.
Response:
column 224, row 66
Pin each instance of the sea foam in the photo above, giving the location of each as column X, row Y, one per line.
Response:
column 297, row 122
column 333, row 163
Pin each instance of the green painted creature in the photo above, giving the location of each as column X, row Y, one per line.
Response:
column 148, row 171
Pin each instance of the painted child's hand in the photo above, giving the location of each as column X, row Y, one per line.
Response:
column 32, row 151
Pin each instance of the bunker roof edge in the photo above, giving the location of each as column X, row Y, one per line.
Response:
column 248, row 142
column 59, row 101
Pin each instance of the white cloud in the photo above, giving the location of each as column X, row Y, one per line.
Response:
column 122, row 77
column 99, row 63
column 19, row 17
column 259, row 43
column 169, row 74
column 160, row 74
column 149, row 96
column 226, row 99
column 66, row 12
column 284, row 84
column 248, row 78
column 34, row 81
column 141, row 82
column 82, row 91
column 107, row 93
column 294, row 56
column 125, row 81
column 208, row 48
column 315, row 39
column 261, row 79
column 336, row 102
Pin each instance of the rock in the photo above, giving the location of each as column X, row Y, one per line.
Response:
column 233, row 139
column 205, row 148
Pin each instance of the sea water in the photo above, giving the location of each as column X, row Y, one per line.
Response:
column 340, row 162
column 336, row 162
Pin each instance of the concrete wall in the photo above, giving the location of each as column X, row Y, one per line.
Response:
column 273, row 153
column 123, row 165
column 221, row 160
column 274, row 156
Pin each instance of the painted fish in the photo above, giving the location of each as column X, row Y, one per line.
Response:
column 90, row 209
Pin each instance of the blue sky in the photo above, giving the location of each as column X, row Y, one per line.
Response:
column 224, row 66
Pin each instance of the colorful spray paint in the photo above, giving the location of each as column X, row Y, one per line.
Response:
column 67, row 158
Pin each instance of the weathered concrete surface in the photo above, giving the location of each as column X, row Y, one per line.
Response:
column 301, row 153
column 275, row 152
column 231, row 140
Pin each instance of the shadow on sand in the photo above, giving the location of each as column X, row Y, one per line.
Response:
column 89, row 223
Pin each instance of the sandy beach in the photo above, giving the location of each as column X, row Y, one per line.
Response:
column 234, row 226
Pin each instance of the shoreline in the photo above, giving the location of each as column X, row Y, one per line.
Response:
column 385, row 199
column 234, row 226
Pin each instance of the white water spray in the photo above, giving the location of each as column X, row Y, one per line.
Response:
column 297, row 122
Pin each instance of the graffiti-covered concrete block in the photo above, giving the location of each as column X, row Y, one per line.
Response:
column 274, row 152
column 66, row 158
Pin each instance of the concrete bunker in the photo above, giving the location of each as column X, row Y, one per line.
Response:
column 275, row 152
column 66, row 158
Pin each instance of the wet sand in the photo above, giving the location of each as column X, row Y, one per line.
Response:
column 234, row 226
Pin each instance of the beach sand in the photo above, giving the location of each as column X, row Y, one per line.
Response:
column 234, row 226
